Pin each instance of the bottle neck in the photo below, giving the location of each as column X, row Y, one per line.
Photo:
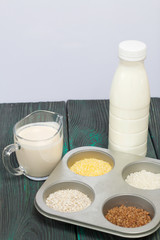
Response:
column 131, row 63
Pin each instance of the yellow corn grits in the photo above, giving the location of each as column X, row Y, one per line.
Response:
column 91, row 167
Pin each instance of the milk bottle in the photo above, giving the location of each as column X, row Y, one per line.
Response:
column 129, row 101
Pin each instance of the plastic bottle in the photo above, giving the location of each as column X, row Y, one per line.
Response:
column 129, row 101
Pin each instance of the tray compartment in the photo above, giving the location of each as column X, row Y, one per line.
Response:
column 139, row 166
column 137, row 201
column 87, row 154
column 87, row 190
column 129, row 200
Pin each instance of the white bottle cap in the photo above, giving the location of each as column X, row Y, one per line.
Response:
column 132, row 50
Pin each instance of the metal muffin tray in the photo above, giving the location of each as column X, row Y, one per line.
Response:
column 105, row 191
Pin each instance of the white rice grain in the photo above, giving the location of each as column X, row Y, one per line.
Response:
column 144, row 180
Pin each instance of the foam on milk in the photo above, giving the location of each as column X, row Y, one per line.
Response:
column 41, row 146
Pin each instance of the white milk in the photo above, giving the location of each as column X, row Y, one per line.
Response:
column 129, row 101
column 41, row 148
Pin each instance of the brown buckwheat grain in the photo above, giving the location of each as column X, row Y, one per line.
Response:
column 129, row 217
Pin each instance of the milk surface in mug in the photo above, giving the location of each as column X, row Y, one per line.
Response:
column 41, row 146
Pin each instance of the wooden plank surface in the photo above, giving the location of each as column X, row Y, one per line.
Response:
column 154, row 125
column 18, row 217
column 88, row 125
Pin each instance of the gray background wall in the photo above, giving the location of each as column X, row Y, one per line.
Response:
column 53, row 50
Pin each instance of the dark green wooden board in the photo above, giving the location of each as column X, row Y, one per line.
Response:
column 88, row 125
column 85, row 123
column 154, row 126
column 19, row 220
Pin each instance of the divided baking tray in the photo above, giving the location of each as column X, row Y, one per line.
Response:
column 105, row 191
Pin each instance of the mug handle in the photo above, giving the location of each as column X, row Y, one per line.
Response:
column 7, row 160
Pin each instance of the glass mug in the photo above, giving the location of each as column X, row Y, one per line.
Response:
column 38, row 144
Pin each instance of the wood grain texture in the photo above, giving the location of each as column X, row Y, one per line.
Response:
column 88, row 125
column 19, row 220
column 151, row 151
column 154, row 124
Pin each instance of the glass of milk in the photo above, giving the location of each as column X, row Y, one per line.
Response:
column 38, row 144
